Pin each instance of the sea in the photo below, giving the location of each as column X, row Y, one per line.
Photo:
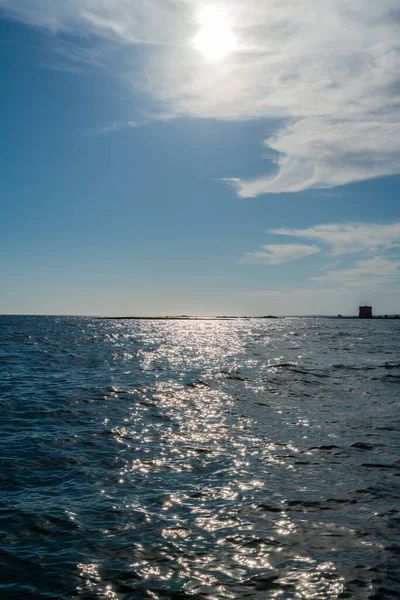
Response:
column 209, row 459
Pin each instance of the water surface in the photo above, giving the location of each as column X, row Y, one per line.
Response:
column 199, row 459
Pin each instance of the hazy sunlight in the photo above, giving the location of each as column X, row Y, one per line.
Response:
column 215, row 38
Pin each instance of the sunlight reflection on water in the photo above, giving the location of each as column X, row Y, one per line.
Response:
column 202, row 459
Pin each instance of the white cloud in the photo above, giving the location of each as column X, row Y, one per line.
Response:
column 369, row 273
column 329, row 68
column 342, row 240
column 113, row 127
column 349, row 238
column 276, row 254
column 321, row 153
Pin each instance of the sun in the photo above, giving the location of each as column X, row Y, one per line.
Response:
column 215, row 38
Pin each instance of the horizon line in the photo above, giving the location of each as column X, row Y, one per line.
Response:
column 200, row 317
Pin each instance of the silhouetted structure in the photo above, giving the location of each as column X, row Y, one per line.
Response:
column 365, row 312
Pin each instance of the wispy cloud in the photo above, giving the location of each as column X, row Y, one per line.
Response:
column 115, row 126
column 329, row 69
column 352, row 244
column 324, row 153
column 112, row 127
column 372, row 272
column 349, row 238
column 276, row 254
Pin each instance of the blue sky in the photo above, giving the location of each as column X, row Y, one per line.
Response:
column 147, row 170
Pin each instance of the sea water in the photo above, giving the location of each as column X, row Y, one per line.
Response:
column 199, row 459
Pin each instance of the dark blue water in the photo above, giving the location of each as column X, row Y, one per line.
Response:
column 214, row 459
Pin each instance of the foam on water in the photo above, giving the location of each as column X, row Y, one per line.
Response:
column 199, row 459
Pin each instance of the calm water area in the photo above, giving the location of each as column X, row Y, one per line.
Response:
column 248, row 459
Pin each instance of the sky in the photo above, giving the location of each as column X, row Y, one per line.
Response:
column 189, row 157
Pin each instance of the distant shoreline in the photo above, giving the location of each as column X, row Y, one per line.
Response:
column 223, row 318
column 188, row 318
column 393, row 317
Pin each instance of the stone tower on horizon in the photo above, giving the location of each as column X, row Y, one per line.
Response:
column 365, row 312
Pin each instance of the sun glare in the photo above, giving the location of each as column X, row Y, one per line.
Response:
column 215, row 38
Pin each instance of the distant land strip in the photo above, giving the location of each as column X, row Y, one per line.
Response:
column 226, row 318
column 190, row 318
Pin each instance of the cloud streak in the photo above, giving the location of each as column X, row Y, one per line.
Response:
column 276, row 254
column 322, row 153
column 328, row 69
column 366, row 273
column 356, row 240
column 348, row 238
